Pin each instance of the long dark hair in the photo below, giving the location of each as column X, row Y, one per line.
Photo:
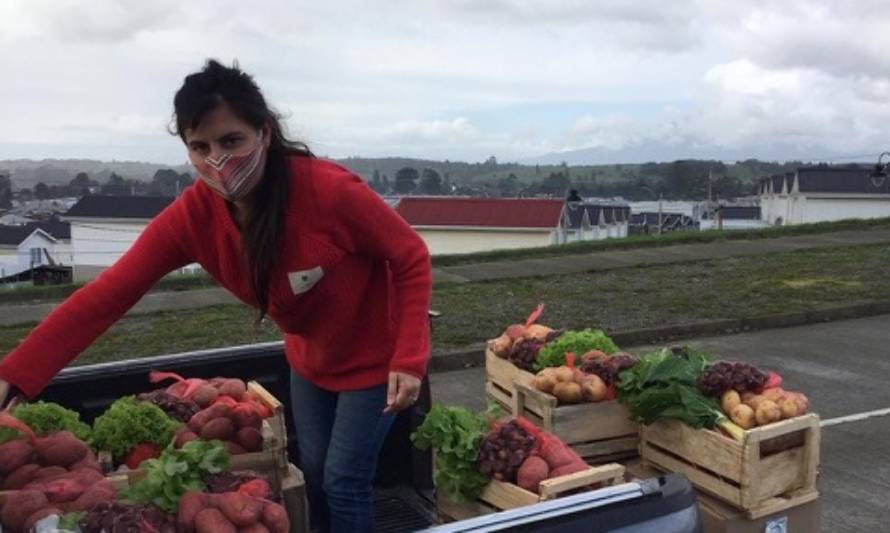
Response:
column 262, row 230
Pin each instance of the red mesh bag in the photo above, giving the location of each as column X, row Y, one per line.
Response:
column 554, row 451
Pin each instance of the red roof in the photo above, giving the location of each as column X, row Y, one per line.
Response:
column 481, row 212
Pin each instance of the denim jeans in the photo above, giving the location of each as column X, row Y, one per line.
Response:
column 340, row 436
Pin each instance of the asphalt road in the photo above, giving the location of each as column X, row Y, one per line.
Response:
column 843, row 367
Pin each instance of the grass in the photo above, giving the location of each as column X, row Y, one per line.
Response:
column 27, row 294
column 653, row 241
column 614, row 300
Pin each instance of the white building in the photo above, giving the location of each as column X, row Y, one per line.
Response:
column 823, row 193
column 104, row 227
column 731, row 217
column 590, row 220
column 34, row 244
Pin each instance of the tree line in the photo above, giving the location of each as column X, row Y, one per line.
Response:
column 165, row 182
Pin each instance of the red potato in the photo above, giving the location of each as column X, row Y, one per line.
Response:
column 14, row 454
column 19, row 506
column 213, row 521
column 48, row 473
column 101, row 492
column 20, row 477
column 250, row 439
column 86, row 476
column 185, row 437
column 39, row 515
column 246, row 416
column 218, row 429
column 62, row 449
column 89, row 462
column 234, row 448
column 63, row 489
column 532, row 472
column 190, row 505
column 275, row 518
column 257, row 488
column 233, row 387
column 202, row 417
column 205, row 395
column 240, row 509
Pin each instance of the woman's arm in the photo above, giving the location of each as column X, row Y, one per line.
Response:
column 373, row 227
column 81, row 318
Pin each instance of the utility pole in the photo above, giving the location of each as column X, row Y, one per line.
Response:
column 660, row 196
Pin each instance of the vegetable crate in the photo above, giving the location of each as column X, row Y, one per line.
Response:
column 773, row 469
column 500, row 496
column 293, row 496
column 499, row 377
column 272, row 462
column 599, row 432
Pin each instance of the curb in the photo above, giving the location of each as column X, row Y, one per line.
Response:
column 474, row 354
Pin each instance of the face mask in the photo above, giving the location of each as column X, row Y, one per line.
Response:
column 233, row 176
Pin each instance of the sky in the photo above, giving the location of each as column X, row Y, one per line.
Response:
column 459, row 79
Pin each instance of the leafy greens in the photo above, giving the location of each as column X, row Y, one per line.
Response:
column 578, row 342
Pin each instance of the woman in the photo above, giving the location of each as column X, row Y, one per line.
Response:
column 309, row 245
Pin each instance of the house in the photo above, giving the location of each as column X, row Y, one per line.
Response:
column 646, row 222
column 823, row 193
column 590, row 220
column 37, row 243
column 104, row 227
column 457, row 225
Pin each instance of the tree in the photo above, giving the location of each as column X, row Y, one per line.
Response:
column 116, row 186
column 80, row 185
column 26, row 195
column 41, row 191
column 508, row 186
column 406, row 180
column 167, row 182
column 431, row 183
column 556, row 184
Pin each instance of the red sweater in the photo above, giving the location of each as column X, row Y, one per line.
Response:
column 351, row 289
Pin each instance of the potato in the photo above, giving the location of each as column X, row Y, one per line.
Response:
column 501, row 345
column 754, row 401
column 101, row 492
column 775, row 394
column 568, row 392
column 275, row 518
column 213, row 521
column 532, row 472
column 205, row 395
column 743, row 416
column 729, row 400
column 578, row 376
column 61, row 449
column 803, row 403
column 250, row 439
column 563, row 374
column 593, row 389
column 594, row 355
column 20, row 477
column 234, row 388
column 15, row 454
column 184, row 438
column 245, row 416
column 239, row 509
column 218, row 429
column 19, row 506
column 191, row 503
column 217, row 410
column 255, row 528
column 545, row 380
column 767, row 412
column 789, row 407
column 48, row 473
column 234, row 448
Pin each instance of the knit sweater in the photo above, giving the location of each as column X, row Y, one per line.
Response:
column 350, row 290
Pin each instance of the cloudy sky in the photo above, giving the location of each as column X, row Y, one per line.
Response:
column 459, row 79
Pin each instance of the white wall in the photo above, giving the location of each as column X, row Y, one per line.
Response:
column 467, row 241
column 826, row 209
column 733, row 224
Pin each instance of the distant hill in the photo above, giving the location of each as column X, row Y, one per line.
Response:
column 26, row 173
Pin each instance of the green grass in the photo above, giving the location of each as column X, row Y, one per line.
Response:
column 654, row 241
column 24, row 294
column 614, row 300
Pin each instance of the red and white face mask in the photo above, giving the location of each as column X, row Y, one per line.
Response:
column 233, row 176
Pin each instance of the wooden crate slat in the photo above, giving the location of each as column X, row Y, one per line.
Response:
column 779, row 473
column 782, row 427
column 507, row 495
column 702, row 480
column 503, row 372
column 624, row 445
column 723, row 455
column 777, row 505
column 593, row 421
column 550, row 488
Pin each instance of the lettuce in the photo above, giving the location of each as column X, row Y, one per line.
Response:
column 577, row 342
column 128, row 423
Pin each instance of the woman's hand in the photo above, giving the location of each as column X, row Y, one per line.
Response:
column 403, row 391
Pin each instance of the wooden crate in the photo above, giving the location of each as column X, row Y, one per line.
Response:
column 774, row 468
column 499, row 377
column 500, row 496
column 293, row 497
column 599, row 432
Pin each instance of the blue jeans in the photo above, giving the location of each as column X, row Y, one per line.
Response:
column 340, row 436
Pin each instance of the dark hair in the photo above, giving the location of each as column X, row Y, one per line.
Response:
column 263, row 228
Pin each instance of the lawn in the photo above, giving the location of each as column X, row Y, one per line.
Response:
column 615, row 300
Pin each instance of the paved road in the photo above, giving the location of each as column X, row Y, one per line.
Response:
column 842, row 366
